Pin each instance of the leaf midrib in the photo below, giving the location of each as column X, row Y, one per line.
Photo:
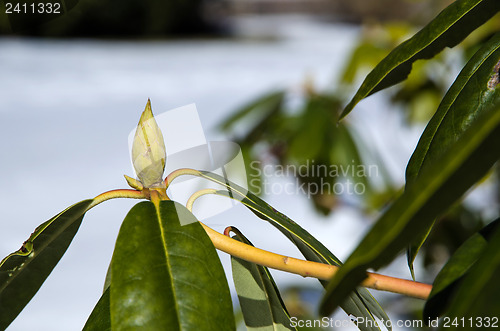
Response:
column 167, row 262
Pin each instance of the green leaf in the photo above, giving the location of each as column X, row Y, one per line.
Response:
column 451, row 275
column 360, row 303
column 478, row 294
column 438, row 187
column 448, row 29
column 100, row 318
column 260, row 300
column 23, row 272
column 166, row 274
column 31, row 20
column 472, row 93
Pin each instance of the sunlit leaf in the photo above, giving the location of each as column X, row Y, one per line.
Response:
column 166, row 274
column 448, row 29
column 23, row 272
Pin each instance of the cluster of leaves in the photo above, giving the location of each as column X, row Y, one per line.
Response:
column 165, row 272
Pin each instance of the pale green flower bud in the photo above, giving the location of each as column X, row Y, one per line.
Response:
column 133, row 183
column 148, row 150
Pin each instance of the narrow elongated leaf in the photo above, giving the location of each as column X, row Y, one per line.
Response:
column 260, row 300
column 451, row 275
column 472, row 93
column 263, row 107
column 166, row 274
column 100, row 318
column 23, row 272
column 439, row 185
column 448, row 29
column 477, row 298
column 360, row 303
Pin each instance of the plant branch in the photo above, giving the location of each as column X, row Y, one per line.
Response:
column 302, row 267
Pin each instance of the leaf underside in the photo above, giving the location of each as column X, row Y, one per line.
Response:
column 259, row 297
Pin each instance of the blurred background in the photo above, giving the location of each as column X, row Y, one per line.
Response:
column 271, row 75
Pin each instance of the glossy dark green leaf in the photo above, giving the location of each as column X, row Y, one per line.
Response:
column 259, row 297
column 450, row 276
column 438, row 187
column 477, row 298
column 23, row 272
column 472, row 93
column 100, row 318
column 166, row 274
column 448, row 29
column 360, row 303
